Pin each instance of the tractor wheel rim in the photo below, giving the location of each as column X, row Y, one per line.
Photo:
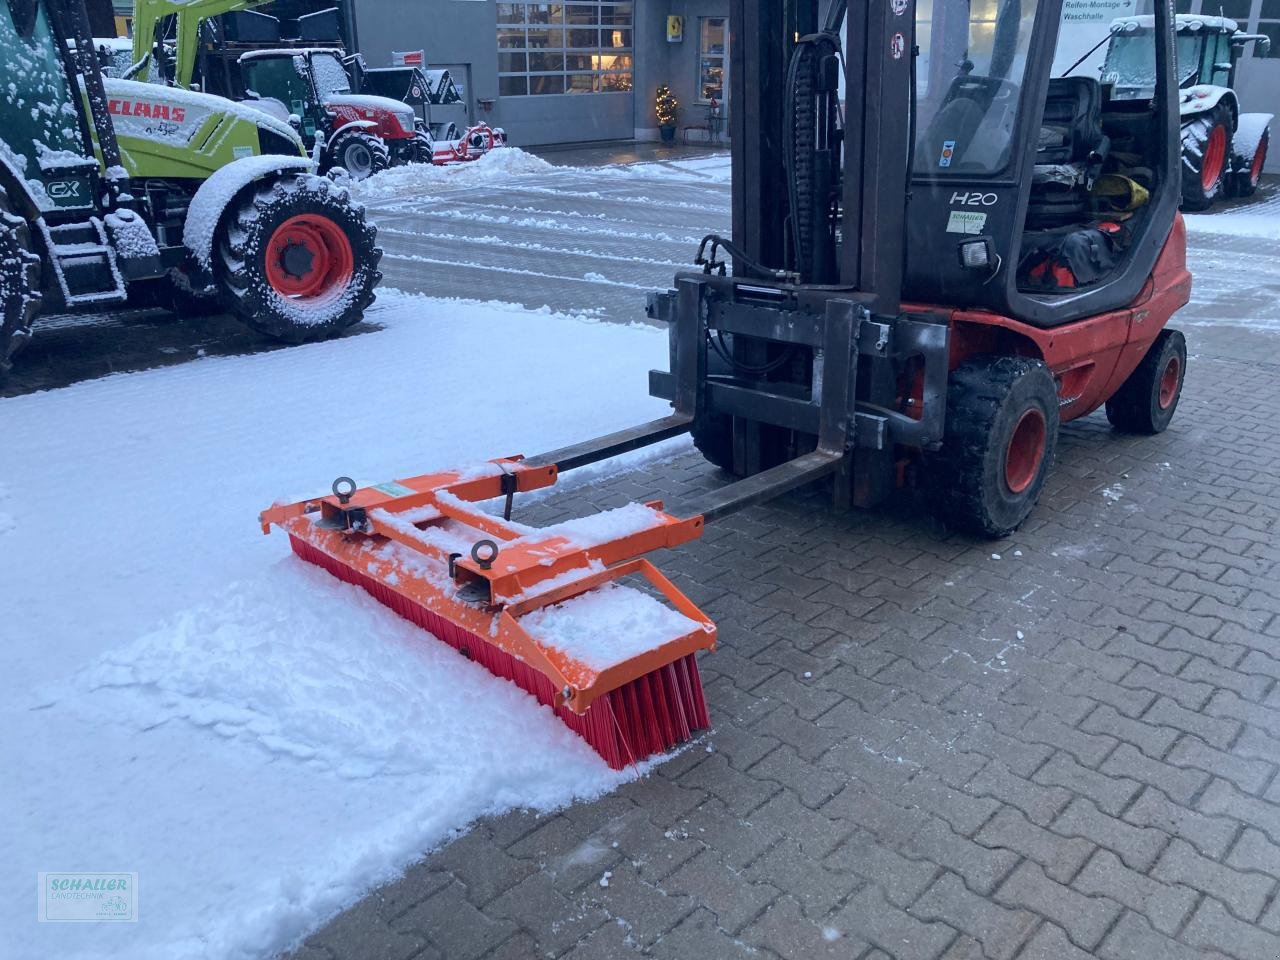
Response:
column 1169, row 383
column 358, row 160
column 309, row 259
column 1215, row 153
column 1025, row 453
column 1259, row 159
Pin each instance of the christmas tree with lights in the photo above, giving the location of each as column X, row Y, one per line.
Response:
column 665, row 105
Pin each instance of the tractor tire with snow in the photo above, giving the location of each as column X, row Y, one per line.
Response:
column 360, row 154
column 1146, row 401
column 1248, row 174
column 424, row 148
column 1001, row 434
column 1206, row 158
column 19, row 284
column 295, row 258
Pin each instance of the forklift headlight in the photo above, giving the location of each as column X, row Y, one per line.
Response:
column 977, row 254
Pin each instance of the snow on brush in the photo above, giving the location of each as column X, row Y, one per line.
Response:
column 185, row 699
column 607, row 626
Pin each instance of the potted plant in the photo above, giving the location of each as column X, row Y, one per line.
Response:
column 666, row 107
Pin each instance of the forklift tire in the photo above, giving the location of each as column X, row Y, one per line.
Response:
column 1206, row 158
column 1145, row 403
column 19, row 284
column 360, row 154
column 296, row 259
column 1246, row 179
column 1001, row 434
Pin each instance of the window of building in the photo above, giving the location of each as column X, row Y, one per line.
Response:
column 713, row 57
column 553, row 48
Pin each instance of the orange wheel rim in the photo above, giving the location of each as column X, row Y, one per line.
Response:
column 1259, row 158
column 309, row 257
column 1215, row 154
column 1169, row 381
column 1025, row 452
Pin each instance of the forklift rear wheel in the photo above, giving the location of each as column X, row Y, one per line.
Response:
column 1206, row 158
column 1001, row 433
column 19, row 283
column 1145, row 403
column 296, row 258
column 360, row 154
column 1249, row 175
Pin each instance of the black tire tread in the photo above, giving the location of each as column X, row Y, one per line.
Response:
column 1130, row 408
column 379, row 155
column 20, row 274
column 976, row 393
column 1195, row 135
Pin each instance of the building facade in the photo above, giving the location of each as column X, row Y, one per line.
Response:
column 566, row 72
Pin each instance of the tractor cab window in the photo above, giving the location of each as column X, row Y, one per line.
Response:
column 41, row 129
column 973, row 55
column 330, row 75
column 1130, row 64
column 278, row 78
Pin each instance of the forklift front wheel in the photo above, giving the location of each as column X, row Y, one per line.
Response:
column 1146, row 401
column 1002, row 430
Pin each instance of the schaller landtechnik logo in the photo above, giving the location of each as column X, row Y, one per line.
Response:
column 88, row 897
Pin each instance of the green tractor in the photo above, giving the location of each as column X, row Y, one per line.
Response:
column 118, row 192
column 301, row 81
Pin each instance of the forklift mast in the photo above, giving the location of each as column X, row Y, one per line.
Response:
column 851, row 172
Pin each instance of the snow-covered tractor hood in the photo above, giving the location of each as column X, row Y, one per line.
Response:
column 394, row 118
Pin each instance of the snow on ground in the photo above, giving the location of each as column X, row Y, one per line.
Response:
column 184, row 699
column 412, row 179
column 1257, row 218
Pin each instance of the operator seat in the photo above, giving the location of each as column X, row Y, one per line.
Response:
column 1071, row 153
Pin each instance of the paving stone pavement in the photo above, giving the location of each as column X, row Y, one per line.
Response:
column 1057, row 746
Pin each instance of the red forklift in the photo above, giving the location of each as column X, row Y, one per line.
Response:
column 941, row 251
column 937, row 258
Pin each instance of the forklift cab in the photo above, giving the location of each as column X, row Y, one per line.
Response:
column 1036, row 192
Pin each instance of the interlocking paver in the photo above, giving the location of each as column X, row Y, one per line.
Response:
column 1182, row 784
column 1000, row 930
column 1138, row 847
column 1211, row 835
column 1165, row 905
column 1111, row 794
column 1247, row 893
column 1085, row 918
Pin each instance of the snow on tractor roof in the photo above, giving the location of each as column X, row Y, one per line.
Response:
column 1186, row 23
column 287, row 52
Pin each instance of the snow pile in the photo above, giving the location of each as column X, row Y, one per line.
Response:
column 183, row 698
column 496, row 166
column 607, row 626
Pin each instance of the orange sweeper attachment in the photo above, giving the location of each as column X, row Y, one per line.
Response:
column 545, row 608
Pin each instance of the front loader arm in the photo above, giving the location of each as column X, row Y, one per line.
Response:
column 149, row 14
